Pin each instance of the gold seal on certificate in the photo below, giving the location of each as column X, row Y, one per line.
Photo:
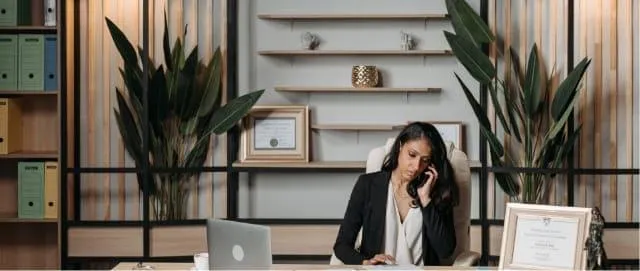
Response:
column 544, row 237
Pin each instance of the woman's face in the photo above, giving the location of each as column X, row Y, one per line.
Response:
column 415, row 156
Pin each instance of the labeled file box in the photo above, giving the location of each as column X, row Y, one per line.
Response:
column 51, row 190
column 31, row 62
column 8, row 13
column 8, row 62
column 10, row 125
column 30, row 189
column 49, row 12
column 50, row 63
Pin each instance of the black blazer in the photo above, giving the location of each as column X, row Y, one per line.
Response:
column 367, row 209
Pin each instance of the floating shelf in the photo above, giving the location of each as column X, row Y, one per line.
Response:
column 28, row 220
column 353, row 90
column 349, row 166
column 30, row 155
column 351, row 16
column 27, row 93
column 28, row 29
column 353, row 52
column 356, row 127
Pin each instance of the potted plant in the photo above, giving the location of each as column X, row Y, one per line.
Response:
column 184, row 112
column 537, row 131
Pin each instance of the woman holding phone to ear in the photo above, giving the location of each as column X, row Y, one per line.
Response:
column 405, row 210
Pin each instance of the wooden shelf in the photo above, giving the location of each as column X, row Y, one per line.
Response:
column 356, row 127
column 27, row 93
column 354, row 90
column 30, row 155
column 27, row 29
column 353, row 52
column 314, row 164
column 27, row 220
column 351, row 16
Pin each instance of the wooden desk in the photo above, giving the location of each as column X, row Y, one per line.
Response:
column 187, row 266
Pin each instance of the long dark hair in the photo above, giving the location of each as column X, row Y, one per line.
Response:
column 445, row 191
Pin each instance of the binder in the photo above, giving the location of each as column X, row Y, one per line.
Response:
column 8, row 12
column 30, row 189
column 50, row 63
column 10, row 125
column 51, row 190
column 49, row 12
column 31, row 62
column 36, row 12
column 24, row 12
column 8, row 62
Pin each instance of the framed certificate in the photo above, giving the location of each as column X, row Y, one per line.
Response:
column 276, row 133
column 544, row 237
column 450, row 131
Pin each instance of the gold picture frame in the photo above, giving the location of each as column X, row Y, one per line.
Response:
column 276, row 133
column 544, row 237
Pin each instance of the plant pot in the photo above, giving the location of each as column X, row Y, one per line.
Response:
column 363, row 76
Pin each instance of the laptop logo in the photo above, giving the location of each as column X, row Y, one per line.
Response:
column 238, row 253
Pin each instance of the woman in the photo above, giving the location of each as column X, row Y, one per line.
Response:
column 405, row 209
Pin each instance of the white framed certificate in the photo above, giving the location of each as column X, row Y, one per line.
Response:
column 276, row 133
column 544, row 237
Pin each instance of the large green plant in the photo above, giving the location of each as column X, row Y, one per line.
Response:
column 184, row 112
column 537, row 130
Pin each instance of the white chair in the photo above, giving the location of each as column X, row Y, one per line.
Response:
column 461, row 256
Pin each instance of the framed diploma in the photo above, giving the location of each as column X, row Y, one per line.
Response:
column 276, row 133
column 544, row 237
column 451, row 131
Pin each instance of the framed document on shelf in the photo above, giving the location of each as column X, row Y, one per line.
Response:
column 544, row 237
column 451, row 131
column 276, row 133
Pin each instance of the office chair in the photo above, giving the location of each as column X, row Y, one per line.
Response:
column 461, row 256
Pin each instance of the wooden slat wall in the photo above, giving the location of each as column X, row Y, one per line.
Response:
column 606, row 105
column 116, row 196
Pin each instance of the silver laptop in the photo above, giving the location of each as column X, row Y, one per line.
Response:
column 237, row 245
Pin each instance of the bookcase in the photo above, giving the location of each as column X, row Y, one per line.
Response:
column 29, row 134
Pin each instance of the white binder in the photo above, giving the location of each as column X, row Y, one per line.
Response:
column 49, row 12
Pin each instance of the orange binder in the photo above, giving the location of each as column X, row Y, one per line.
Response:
column 51, row 190
column 10, row 125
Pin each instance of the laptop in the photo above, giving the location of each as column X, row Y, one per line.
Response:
column 237, row 245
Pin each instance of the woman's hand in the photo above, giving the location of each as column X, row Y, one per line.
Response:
column 380, row 259
column 424, row 191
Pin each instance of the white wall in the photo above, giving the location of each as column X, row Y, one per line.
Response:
column 324, row 195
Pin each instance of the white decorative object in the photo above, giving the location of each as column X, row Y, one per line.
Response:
column 310, row 41
column 201, row 261
column 406, row 41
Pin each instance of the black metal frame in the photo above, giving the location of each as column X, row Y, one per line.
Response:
column 232, row 172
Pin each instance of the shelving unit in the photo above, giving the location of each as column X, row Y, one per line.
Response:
column 434, row 16
column 355, row 90
column 354, row 52
column 31, row 243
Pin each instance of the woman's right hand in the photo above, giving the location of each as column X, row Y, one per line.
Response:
column 380, row 259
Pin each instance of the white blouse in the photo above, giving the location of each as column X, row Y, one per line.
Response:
column 403, row 240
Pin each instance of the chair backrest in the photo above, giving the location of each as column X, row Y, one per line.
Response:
column 462, row 173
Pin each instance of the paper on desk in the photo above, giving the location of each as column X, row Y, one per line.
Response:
column 392, row 267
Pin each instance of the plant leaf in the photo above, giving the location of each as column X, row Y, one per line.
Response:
column 511, row 111
column 471, row 57
column 165, row 45
column 228, row 115
column 158, row 98
column 467, row 23
column 482, row 118
column 532, row 84
column 212, row 85
column 505, row 180
column 496, row 105
column 559, row 125
column 122, row 44
column 517, row 67
column 567, row 89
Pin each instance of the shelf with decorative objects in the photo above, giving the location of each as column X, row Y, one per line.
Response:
column 321, row 89
column 354, row 52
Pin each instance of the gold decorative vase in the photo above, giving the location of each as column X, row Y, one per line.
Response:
column 363, row 76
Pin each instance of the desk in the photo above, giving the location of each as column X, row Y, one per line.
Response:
column 187, row 266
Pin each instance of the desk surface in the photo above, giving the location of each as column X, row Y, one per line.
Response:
column 188, row 266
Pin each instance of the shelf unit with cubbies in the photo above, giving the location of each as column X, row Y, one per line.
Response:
column 29, row 134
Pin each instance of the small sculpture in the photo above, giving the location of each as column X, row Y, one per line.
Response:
column 596, row 255
column 310, row 41
column 406, row 41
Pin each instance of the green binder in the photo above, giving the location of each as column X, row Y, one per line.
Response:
column 24, row 12
column 8, row 62
column 31, row 62
column 30, row 189
column 8, row 12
